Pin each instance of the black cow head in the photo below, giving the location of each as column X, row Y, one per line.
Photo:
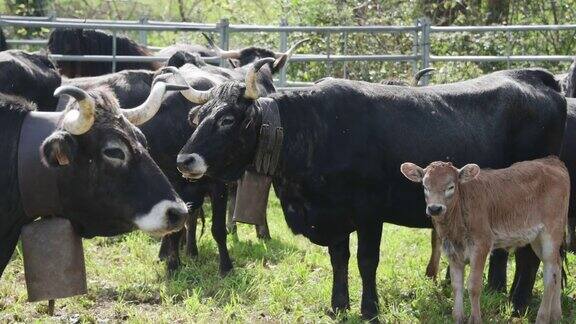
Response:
column 227, row 127
column 252, row 54
column 29, row 75
column 108, row 182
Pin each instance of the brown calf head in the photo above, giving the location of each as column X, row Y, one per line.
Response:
column 440, row 181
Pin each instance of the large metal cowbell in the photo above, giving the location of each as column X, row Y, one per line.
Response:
column 53, row 260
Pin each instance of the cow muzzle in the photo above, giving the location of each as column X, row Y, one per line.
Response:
column 435, row 209
column 192, row 166
column 164, row 218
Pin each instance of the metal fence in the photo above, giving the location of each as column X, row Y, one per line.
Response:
column 421, row 57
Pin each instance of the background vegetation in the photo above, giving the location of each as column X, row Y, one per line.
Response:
column 285, row 280
column 348, row 12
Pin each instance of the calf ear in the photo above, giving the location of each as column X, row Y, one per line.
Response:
column 468, row 172
column 58, row 150
column 412, row 171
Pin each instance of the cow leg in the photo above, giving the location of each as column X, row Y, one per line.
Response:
column 262, row 231
column 497, row 270
column 572, row 231
column 230, row 223
column 527, row 264
column 170, row 250
column 191, row 224
column 368, row 255
column 457, row 281
column 339, row 257
column 477, row 262
column 219, row 197
column 434, row 262
column 7, row 247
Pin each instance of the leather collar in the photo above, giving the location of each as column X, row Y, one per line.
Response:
column 271, row 137
column 37, row 183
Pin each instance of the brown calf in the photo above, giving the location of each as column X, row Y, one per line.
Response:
column 475, row 212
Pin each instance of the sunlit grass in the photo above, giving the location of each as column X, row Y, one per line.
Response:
column 286, row 279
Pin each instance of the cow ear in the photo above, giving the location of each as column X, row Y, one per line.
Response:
column 58, row 150
column 468, row 172
column 412, row 172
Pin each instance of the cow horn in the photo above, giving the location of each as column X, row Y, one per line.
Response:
column 221, row 53
column 418, row 75
column 251, row 80
column 292, row 49
column 143, row 113
column 78, row 122
column 195, row 96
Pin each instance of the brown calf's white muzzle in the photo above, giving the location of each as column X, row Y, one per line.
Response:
column 165, row 217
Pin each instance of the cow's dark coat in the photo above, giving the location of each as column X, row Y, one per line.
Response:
column 95, row 42
column 31, row 76
column 345, row 141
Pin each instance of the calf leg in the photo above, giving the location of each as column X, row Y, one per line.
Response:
column 552, row 278
column 434, row 262
column 527, row 264
column 170, row 250
column 218, row 196
column 497, row 270
column 368, row 257
column 339, row 257
column 191, row 223
column 477, row 262
column 457, row 281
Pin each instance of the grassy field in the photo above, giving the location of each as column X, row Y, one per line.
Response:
column 284, row 280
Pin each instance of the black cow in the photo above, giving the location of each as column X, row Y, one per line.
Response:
column 70, row 41
column 3, row 44
column 29, row 75
column 180, row 51
column 568, row 81
column 107, row 182
column 345, row 140
column 168, row 132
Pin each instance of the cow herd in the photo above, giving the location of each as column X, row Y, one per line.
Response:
column 143, row 147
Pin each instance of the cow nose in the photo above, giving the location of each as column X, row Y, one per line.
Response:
column 176, row 217
column 184, row 161
column 434, row 210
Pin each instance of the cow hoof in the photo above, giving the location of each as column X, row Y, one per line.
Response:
column 225, row 270
column 264, row 236
column 373, row 318
column 172, row 266
column 192, row 252
column 339, row 311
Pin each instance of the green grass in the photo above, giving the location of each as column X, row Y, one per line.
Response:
column 286, row 279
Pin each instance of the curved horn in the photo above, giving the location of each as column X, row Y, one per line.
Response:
column 420, row 74
column 195, row 96
column 290, row 51
column 251, row 82
column 143, row 113
column 221, row 53
column 78, row 122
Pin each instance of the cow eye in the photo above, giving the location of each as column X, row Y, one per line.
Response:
column 114, row 153
column 450, row 190
column 226, row 121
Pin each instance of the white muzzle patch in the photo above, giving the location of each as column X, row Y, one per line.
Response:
column 197, row 168
column 156, row 221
